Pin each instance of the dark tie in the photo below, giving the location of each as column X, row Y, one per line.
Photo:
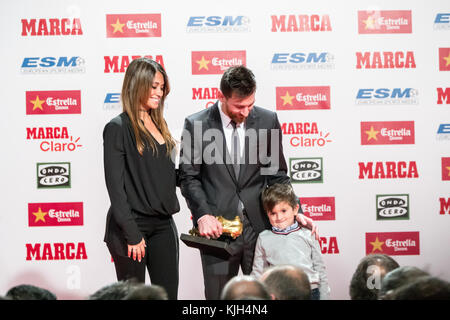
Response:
column 236, row 160
column 235, row 149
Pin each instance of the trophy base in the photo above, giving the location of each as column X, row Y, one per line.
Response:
column 208, row 246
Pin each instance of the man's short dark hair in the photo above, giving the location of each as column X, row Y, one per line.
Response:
column 29, row 292
column 422, row 288
column 115, row 291
column 238, row 80
column 399, row 277
column 359, row 290
column 287, row 283
column 147, row 292
column 277, row 193
column 244, row 288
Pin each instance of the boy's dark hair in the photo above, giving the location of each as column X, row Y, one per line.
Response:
column 277, row 193
column 239, row 80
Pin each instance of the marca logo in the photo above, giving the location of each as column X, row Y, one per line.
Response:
column 306, row 170
column 445, row 169
column 302, row 61
column 303, row 98
column 386, row 96
column 387, row 132
column 216, row 62
column 133, row 25
column 393, row 243
column 56, row 251
column 385, row 60
column 210, row 94
column 55, row 214
column 218, row 24
column 53, row 102
column 393, row 207
column 443, row 95
column 443, row 133
column 53, row 175
column 388, row 170
column 319, row 208
column 50, row 65
column 306, row 134
column 442, row 21
column 444, row 59
column 384, row 21
column 49, row 134
column 51, row 27
column 445, row 205
column 119, row 64
column 328, row 245
column 301, row 23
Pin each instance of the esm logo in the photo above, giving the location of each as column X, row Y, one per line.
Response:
column 51, row 65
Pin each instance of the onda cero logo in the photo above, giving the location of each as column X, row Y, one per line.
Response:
column 393, row 207
column 306, row 170
column 53, row 175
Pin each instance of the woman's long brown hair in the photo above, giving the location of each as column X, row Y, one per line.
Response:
column 135, row 92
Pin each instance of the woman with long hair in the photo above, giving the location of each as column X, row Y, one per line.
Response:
column 141, row 181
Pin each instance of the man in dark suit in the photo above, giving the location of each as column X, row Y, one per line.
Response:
column 229, row 153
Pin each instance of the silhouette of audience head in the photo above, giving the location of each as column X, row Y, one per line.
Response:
column 244, row 288
column 147, row 292
column 366, row 280
column 421, row 288
column 287, row 282
column 399, row 277
column 29, row 292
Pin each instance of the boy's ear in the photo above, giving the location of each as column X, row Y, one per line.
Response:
column 296, row 208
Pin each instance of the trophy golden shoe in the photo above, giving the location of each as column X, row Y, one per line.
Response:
column 231, row 228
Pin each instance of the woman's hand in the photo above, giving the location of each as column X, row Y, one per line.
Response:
column 138, row 250
column 309, row 224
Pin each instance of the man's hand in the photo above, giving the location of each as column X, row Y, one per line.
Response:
column 308, row 223
column 209, row 227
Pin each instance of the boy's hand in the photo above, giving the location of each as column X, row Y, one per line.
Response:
column 308, row 223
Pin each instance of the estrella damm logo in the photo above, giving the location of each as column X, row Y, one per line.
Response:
column 55, row 214
column 133, row 25
column 393, row 243
column 387, row 132
column 384, row 21
column 303, row 98
column 53, row 102
column 444, row 59
column 216, row 62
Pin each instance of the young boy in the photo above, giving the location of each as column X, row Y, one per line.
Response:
column 287, row 242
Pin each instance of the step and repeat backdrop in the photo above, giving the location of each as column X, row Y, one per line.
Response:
column 362, row 91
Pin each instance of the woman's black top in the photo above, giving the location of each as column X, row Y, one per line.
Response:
column 137, row 184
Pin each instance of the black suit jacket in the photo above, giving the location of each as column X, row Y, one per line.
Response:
column 212, row 188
